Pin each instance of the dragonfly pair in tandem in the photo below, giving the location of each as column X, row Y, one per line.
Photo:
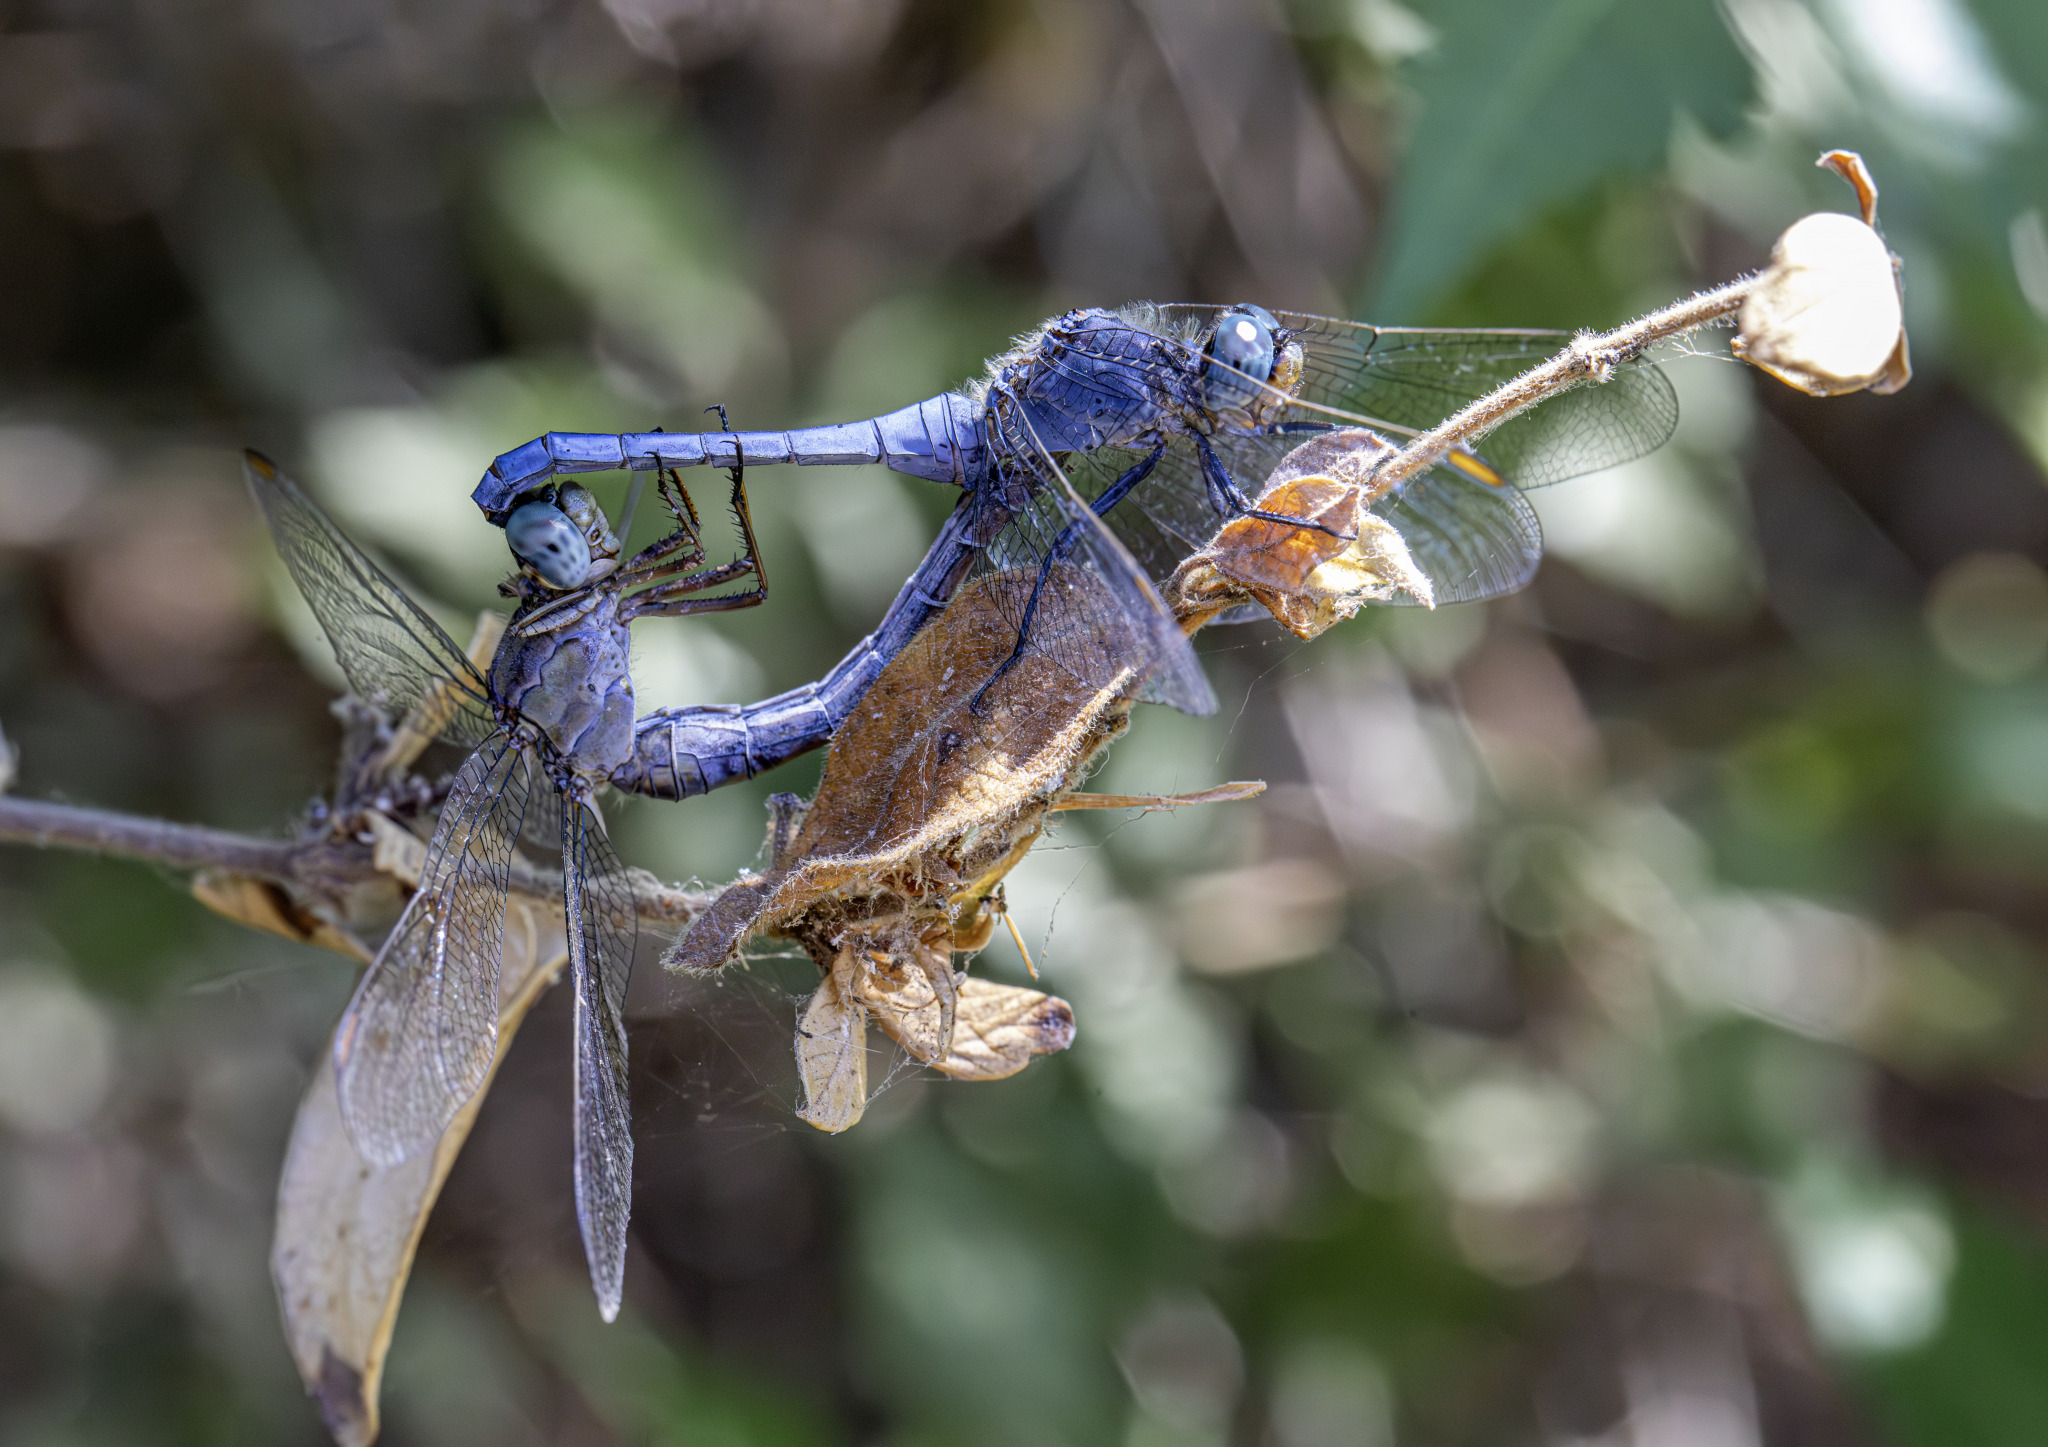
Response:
column 1115, row 441
column 547, row 725
column 1122, row 440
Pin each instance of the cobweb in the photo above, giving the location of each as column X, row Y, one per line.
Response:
column 714, row 1056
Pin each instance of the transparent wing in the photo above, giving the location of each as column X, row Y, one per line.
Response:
column 1168, row 516
column 418, row 1038
column 543, row 827
column 603, row 928
column 1472, row 541
column 1406, row 380
column 390, row 651
column 1116, row 619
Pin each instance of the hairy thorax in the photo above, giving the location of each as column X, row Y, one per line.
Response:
column 1093, row 380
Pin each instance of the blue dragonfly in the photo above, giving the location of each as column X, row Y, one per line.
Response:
column 1120, row 441
column 546, row 726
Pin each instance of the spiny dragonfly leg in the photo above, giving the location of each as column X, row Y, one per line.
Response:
column 1115, row 493
column 1229, row 500
column 673, row 597
column 681, row 549
column 661, row 558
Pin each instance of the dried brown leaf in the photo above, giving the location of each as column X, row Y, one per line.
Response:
column 921, row 795
column 925, row 805
column 911, row 993
column 262, row 904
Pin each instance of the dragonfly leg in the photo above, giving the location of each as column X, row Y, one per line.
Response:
column 680, row 549
column 1230, row 502
column 1117, row 491
column 673, row 597
column 1061, row 546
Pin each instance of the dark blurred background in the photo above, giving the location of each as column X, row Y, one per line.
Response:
column 1623, row 1021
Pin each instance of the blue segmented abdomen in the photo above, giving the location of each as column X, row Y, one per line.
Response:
column 681, row 752
column 939, row 438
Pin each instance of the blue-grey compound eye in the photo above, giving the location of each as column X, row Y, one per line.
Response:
column 542, row 536
column 1244, row 340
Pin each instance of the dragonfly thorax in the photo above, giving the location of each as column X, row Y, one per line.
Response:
column 573, row 682
column 1096, row 380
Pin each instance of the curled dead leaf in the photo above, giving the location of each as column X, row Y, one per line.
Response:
column 923, row 796
column 264, row 905
column 1000, row 1028
column 1307, row 577
column 911, row 993
column 1827, row 315
column 925, row 805
column 993, row 1031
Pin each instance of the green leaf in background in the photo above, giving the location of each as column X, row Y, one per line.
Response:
column 1978, row 1382
column 1523, row 106
column 2017, row 33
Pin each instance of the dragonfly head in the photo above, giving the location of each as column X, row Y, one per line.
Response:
column 562, row 539
column 582, row 510
column 1241, row 352
column 548, row 545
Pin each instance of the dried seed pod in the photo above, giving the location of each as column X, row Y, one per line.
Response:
column 1306, row 577
column 1826, row 315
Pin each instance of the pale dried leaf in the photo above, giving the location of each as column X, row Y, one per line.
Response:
column 397, row 851
column 832, row 1052
column 911, row 994
column 999, row 1028
column 262, row 904
column 347, row 1230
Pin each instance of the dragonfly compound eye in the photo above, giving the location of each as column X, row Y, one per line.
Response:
column 1243, row 339
column 549, row 543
